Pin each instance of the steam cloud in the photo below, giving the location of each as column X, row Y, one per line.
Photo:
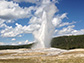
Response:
column 44, row 16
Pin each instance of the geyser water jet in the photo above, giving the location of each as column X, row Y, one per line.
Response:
column 44, row 35
column 44, row 16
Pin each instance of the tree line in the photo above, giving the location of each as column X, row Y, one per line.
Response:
column 68, row 42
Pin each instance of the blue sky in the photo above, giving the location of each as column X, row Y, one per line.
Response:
column 75, row 9
column 21, row 14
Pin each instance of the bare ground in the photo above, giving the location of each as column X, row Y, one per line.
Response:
column 42, row 56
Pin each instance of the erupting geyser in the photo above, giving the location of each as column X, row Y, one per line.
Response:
column 44, row 15
column 45, row 32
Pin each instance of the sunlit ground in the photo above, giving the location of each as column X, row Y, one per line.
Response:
column 74, row 56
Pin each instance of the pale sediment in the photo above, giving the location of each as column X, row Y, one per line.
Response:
column 30, row 53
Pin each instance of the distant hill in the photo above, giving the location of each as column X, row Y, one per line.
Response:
column 2, row 47
column 68, row 42
column 63, row 42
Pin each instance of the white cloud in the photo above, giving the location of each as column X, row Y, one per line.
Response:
column 26, row 42
column 19, row 35
column 35, row 20
column 66, row 24
column 2, row 23
column 35, row 1
column 58, row 19
column 19, row 29
column 31, row 1
column 22, row 42
column 13, row 39
column 19, row 43
column 69, row 31
column 78, row 32
column 11, row 10
column 9, row 21
column 1, row 43
column 13, row 44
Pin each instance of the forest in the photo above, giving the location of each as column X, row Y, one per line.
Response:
column 68, row 42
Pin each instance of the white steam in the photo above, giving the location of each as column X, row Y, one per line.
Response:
column 44, row 16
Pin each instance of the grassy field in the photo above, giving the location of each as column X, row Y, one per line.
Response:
column 67, row 57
